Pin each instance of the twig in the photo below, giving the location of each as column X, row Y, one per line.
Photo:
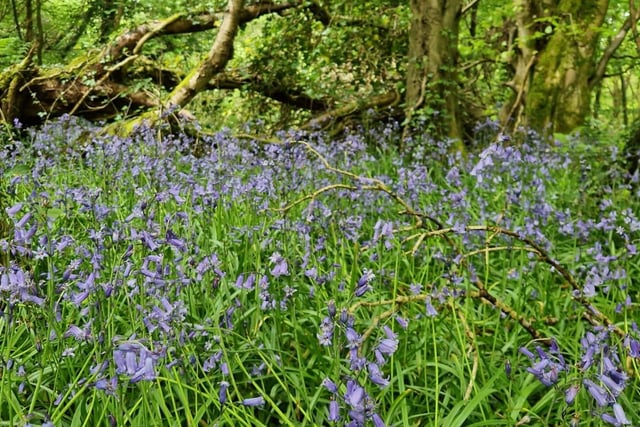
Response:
column 521, row 90
column 318, row 192
column 592, row 315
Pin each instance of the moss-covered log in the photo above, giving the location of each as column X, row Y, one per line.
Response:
column 101, row 86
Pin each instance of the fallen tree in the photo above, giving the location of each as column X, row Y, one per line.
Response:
column 101, row 86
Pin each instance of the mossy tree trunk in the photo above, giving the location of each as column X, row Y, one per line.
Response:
column 432, row 79
column 556, row 64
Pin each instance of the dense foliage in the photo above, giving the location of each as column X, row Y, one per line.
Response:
column 553, row 66
column 302, row 281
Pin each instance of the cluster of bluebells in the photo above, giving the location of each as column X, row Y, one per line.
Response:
column 600, row 373
column 90, row 250
column 355, row 405
column 358, row 403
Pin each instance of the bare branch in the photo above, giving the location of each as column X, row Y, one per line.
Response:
column 290, row 96
column 469, row 6
column 378, row 101
column 183, row 23
column 611, row 48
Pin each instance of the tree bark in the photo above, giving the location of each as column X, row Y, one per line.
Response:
column 220, row 53
column 432, row 79
column 556, row 65
column 28, row 20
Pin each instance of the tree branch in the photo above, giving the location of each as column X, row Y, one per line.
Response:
column 611, row 48
column 469, row 6
column 378, row 101
column 220, row 53
column 185, row 23
column 290, row 96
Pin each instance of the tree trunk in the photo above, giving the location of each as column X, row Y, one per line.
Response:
column 432, row 80
column 112, row 11
column 555, row 66
column 220, row 53
column 28, row 21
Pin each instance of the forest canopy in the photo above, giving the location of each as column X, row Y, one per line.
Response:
column 554, row 66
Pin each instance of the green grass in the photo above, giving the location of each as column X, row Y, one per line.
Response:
column 177, row 303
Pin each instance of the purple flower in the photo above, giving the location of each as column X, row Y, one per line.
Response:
column 621, row 417
column 363, row 285
column 334, row 411
column 571, row 393
column 366, row 278
column 354, row 396
column 598, row 393
column 353, row 338
column 13, row 210
column 388, row 346
column 109, row 386
column 376, row 376
column 247, row 284
column 222, row 395
column 377, row 420
column 135, row 360
column 431, row 310
column 23, row 221
column 280, row 267
column 507, row 368
column 614, row 386
column 326, row 332
column 78, row 333
column 330, row 385
column 331, row 307
column 145, row 371
column 253, row 401
column 404, row 323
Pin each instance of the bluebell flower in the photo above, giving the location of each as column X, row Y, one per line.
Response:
column 253, row 401
column 353, row 338
column 13, row 210
column 330, row 385
column 431, row 310
column 621, row 417
column 334, row 411
column 326, row 332
column 375, row 375
column 109, row 386
column 280, row 267
column 222, row 395
column 598, row 393
column 331, row 307
column 571, row 393
column 404, row 323
column 377, row 420
column 80, row 334
column 354, row 395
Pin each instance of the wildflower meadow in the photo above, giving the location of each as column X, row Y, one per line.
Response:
column 303, row 280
